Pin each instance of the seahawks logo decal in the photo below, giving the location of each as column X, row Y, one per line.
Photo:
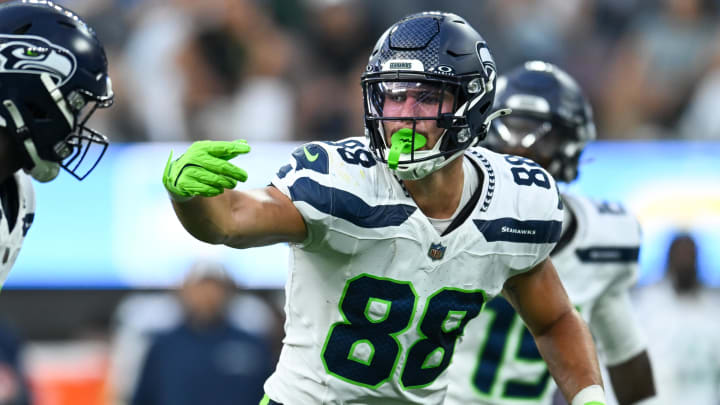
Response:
column 36, row 55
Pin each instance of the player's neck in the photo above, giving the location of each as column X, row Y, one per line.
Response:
column 438, row 195
column 9, row 159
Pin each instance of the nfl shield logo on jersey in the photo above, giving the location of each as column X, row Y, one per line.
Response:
column 437, row 251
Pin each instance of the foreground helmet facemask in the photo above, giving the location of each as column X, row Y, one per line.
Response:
column 438, row 57
column 53, row 72
column 401, row 106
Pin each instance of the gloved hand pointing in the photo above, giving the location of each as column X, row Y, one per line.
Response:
column 204, row 169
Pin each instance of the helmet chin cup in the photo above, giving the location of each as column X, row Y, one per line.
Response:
column 42, row 170
column 45, row 171
column 420, row 170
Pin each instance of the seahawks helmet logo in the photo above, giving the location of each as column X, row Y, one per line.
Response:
column 36, row 55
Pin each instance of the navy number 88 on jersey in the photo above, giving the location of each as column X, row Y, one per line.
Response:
column 364, row 348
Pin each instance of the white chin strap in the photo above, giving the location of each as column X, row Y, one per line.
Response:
column 43, row 170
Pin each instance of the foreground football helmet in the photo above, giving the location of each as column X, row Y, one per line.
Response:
column 53, row 76
column 429, row 56
column 551, row 120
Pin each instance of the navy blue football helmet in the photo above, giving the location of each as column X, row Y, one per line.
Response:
column 551, row 120
column 430, row 53
column 53, row 77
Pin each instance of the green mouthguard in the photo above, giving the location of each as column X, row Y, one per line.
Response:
column 402, row 142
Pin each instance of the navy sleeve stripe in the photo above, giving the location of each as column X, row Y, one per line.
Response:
column 513, row 230
column 347, row 206
column 608, row 254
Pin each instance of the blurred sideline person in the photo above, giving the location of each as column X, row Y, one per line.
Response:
column 398, row 238
column 14, row 388
column 596, row 257
column 205, row 359
column 681, row 315
column 53, row 76
column 142, row 315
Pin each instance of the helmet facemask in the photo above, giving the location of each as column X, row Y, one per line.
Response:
column 83, row 139
column 550, row 143
column 417, row 110
column 54, row 133
column 440, row 100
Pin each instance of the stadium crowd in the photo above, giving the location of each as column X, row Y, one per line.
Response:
column 219, row 69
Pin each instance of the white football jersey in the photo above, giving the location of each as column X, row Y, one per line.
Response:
column 497, row 362
column 11, row 238
column 375, row 296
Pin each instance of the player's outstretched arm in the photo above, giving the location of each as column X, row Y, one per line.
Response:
column 560, row 333
column 201, row 182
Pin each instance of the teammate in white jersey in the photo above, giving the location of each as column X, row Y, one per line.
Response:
column 53, row 75
column 398, row 238
column 596, row 257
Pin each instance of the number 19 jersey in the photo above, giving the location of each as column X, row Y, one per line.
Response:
column 497, row 362
column 375, row 296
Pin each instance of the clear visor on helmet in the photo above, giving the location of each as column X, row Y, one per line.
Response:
column 414, row 100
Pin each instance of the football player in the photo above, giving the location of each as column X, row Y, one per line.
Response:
column 398, row 238
column 53, row 76
column 596, row 257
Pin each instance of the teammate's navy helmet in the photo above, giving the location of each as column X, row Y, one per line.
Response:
column 551, row 118
column 53, row 76
column 437, row 51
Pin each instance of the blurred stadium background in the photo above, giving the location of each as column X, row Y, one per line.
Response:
column 99, row 265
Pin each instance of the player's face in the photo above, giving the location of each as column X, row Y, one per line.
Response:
column 528, row 137
column 419, row 100
column 204, row 300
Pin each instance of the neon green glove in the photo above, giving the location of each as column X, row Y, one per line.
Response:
column 204, row 169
